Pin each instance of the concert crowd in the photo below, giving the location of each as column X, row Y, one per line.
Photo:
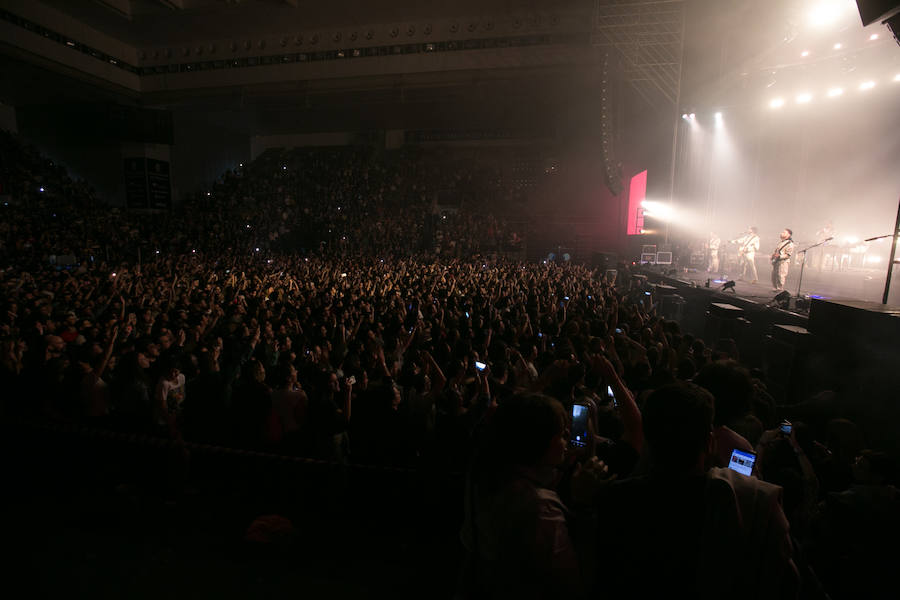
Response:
column 316, row 303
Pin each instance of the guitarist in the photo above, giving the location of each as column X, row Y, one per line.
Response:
column 781, row 260
column 748, row 245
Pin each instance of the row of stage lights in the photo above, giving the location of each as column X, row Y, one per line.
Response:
column 693, row 117
column 835, row 92
column 838, row 46
column 802, row 98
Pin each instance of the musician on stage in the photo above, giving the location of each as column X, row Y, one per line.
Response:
column 713, row 247
column 748, row 246
column 781, row 260
column 821, row 254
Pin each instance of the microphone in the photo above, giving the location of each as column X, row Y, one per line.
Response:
column 829, row 239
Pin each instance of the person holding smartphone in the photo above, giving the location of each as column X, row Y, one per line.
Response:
column 712, row 532
column 516, row 529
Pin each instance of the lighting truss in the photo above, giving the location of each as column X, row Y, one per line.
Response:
column 650, row 37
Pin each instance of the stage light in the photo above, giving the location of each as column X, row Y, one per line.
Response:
column 692, row 116
column 866, row 85
column 835, row 92
column 657, row 210
column 825, row 14
column 782, row 300
column 838, row 46
column 776, row 103
column 684, row 116
column 805, row 53
column 873, row 37
column 897, row 77
column 804, row 98
column 873, row 259
column 850, row 240
column 718, row 117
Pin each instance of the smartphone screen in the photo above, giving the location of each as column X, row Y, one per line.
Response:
column 480, row 365
column 742, row 462
column 579, row 429
column 611, row 395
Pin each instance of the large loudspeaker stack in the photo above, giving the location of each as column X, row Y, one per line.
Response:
column 886, row 11
column 786, row 363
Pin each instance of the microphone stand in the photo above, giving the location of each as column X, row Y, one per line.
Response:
column 803, row 263
column 891, row 261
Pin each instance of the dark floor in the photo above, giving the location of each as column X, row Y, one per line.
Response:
column 70, row 535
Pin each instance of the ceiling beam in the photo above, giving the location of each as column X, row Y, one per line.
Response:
column 120, row 7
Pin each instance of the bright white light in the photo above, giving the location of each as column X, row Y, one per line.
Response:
column 873, row 259
column 692, row 116
column 657, row 210
column 684, row 116
column 776, row 103
column 257, row 249
column 835, row 92
column 41, row 189
column 838, row 46
column 718, row 116
column 873, row 37
column 850, row 240
column 897, row 77
column 805, row 53
column 804, row 98
column 867, row 85
column 825, row 13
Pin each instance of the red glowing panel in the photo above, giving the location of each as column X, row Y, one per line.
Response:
column 636, row 194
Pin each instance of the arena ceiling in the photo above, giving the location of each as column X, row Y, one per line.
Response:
column 157, row 22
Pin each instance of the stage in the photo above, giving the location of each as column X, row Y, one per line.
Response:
column 848, row 284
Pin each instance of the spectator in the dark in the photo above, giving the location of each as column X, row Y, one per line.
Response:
column 208, row 402
column 329, row 416
column 853, row 545
column 709, row 533
column 131, row 393
column 289, row 408
column 168, row 399
column 252, row 408
column 516, row 533
column 732, row 388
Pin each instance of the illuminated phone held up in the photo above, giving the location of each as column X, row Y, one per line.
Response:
column 579, row 430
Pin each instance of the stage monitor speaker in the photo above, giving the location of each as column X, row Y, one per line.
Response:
column 724, row 321
column 671, row 306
